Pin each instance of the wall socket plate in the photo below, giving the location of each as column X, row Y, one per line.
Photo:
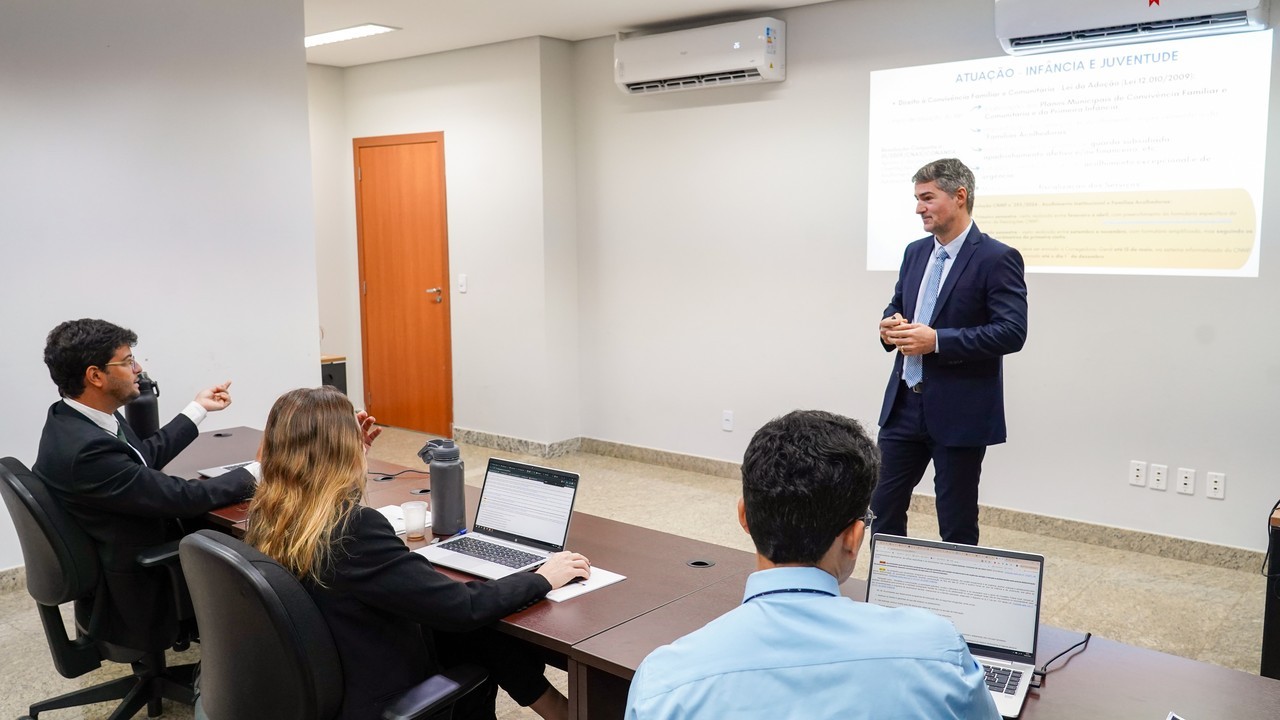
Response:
column 1137, row 473
column 1187, row 481
column 1159, row 477
column 1215, row 485
column 726, row 421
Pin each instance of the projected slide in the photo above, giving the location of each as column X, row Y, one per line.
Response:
column 1142, row 159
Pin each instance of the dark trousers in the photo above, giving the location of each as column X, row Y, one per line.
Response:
column 513, row 665
column 906, row 448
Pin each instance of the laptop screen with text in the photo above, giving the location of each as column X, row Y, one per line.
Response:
column 526, row 502
column 992, row 597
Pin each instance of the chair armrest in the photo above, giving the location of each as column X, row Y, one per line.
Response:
column 166, row 556
column 159, row 556
column 436, row 692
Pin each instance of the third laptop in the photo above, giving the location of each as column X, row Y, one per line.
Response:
column 991, row 596
column 523, row 517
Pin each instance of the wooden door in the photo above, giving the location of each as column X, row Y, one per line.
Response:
column 404, row 281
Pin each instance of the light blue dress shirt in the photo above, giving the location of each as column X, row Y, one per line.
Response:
column 796, row 649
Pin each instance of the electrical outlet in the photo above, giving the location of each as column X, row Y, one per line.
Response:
column 1137, row 473
column 1187, row 481
column 726, row 421
column 1159, row 477
column 1216, row 485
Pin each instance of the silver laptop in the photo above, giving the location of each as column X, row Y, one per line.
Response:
column 222, row 469
column 991, row 596
column 523, row 517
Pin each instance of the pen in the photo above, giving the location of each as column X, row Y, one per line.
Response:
column 460, row 532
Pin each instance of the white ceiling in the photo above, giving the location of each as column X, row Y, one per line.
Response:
column 430, row 26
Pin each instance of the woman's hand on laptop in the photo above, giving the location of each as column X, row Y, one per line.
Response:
column 563, row 568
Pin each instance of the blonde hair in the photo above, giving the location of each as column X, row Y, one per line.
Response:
column 313, row 475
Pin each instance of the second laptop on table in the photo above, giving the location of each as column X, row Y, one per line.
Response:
column 523, row 517
column 992, row 597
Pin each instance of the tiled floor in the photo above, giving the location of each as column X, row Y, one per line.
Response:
column 1187, row 609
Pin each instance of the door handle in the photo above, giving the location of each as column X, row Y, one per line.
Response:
column 439, row 293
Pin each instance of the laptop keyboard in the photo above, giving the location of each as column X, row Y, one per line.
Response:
column 1001, row 679
column 500, row 554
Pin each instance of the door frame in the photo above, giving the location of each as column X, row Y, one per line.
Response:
column 408, row 139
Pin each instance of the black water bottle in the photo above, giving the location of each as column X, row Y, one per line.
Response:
column 143, row 412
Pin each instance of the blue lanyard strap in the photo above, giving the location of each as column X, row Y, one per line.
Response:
column 811, row 591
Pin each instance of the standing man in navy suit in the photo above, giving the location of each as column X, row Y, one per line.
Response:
column 960, row 306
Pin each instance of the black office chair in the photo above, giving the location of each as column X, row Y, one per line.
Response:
column 266, row 651
column 62, row 566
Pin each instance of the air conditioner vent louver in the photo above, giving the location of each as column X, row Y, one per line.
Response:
column 695, row 81
column 741, row 52
column 1133, row 31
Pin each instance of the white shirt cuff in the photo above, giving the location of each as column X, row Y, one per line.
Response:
column 255, row 468
column 195, row 412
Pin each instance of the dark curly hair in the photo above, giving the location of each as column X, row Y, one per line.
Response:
column 77, row 345
column 806, row 477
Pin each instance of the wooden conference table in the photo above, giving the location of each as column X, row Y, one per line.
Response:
column 603, row 636
column 660, row 567
column 1106, row 680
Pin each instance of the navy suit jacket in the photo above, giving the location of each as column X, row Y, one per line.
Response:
column 980, row 316
column 126, row 507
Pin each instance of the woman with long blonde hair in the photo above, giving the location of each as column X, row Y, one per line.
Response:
column 395, row 619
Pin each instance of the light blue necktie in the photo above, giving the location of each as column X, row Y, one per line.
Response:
column 913, row 365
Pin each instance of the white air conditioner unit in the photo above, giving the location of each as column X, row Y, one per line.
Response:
column 1038, row 26
column 747, row 51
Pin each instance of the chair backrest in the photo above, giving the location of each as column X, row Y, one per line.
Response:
column 266, row 651
column 61, row 561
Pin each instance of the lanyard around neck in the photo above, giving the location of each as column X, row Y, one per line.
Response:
column 811, row 591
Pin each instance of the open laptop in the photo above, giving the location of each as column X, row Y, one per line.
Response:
column 991, row 596
column 522, row 518
column 222, row 469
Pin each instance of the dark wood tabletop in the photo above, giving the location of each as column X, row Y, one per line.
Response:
column 660, row 567
column 676, row 585
column 1106, row 680
column 619, row 651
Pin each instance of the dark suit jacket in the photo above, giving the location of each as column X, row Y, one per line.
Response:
column 377, row 600
column 980, row 316
column 125, row 507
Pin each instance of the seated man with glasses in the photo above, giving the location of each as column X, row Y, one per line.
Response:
column 796, row 647
column 110, row 481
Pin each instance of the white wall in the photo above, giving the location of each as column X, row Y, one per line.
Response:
column 720, row 254
column 562, row 394
column 156, row 175
column 510, row 231
column 722, row 240
column 337, row 263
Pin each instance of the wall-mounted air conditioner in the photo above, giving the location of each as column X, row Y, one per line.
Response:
column 747, row 51
column 1037, row 26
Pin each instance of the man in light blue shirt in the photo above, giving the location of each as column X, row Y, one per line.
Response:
column 796, row 648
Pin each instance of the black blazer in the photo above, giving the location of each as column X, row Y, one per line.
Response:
column 125, row 507
column 382, row 601
column 980, row 316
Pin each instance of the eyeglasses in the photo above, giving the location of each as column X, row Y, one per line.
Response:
column 129, row 362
